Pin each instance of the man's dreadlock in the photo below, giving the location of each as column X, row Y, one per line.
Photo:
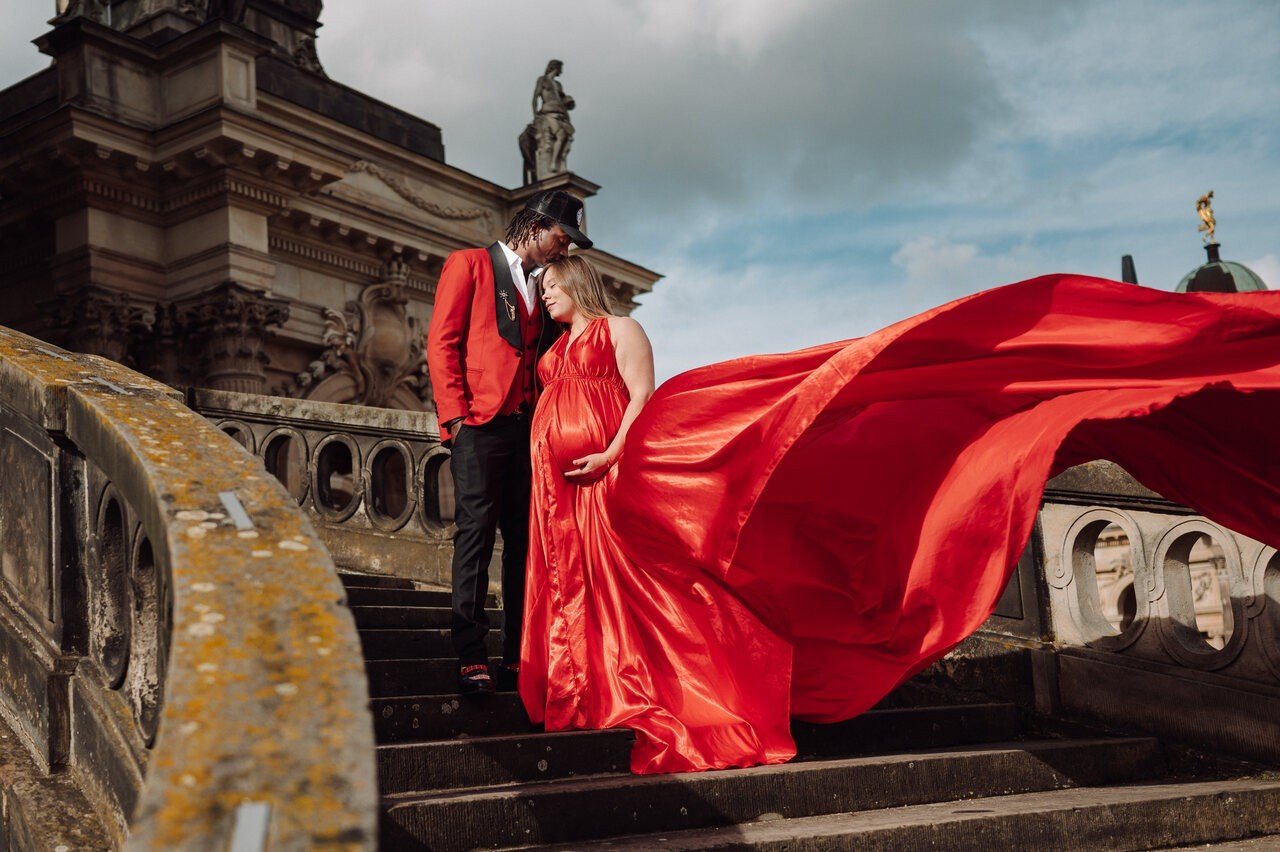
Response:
column 525, row 226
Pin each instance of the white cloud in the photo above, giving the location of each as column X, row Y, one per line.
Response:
column 1268, row 269
column 936, row 269
column 930, row 258
column 684, row 106
column 1136, row 70
column 739, row 27
column 702, row 314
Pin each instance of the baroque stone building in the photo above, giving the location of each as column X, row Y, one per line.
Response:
column 185, row 191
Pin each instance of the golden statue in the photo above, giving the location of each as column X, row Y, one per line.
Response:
column 1204, row 206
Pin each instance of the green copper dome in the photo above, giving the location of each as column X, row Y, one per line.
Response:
column 1220, row 276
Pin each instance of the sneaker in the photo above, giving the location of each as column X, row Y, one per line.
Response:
column 475, row 680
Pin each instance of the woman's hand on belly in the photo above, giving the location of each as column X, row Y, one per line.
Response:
column 589, row 468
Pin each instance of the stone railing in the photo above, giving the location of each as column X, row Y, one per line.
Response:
column 171, row 628
column 1141, row 613
column 376, row 482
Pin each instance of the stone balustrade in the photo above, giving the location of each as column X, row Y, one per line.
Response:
column 176, row 651
column 1142, row 613
column 375, row 481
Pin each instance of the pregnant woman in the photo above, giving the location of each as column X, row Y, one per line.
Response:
column 794, row 535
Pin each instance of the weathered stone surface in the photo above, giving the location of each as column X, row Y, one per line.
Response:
column 1101, row 478
column 28, row 516
column 421, row 717
column 265, row 698
column 25, row 699
column 350, row 108
column 31, row 98
column 107, row 758
column 381, row 518
column 453, row 764
column 1200, row 708
column 43, row 812
column 577, row 810
column 1138, row 817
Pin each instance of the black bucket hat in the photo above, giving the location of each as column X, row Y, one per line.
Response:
column 564, row 210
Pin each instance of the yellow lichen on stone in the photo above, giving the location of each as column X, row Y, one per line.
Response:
column 254, row 709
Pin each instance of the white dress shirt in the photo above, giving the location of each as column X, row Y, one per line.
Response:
column 524, row 286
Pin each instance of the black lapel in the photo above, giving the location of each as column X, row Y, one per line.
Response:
column 506, row 298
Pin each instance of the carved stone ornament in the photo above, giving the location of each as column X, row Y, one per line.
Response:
column 306, row 8
column 402, row 188
column 305, row 56
column 98, row 321
column 94, row 10
column 229, row 326
column 231, row 10
column 160, row 354
column 373, row 351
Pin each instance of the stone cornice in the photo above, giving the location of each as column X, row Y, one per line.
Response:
column 193, row 176
column 354, row 145
column 402, row 188
column 326, row 258
column 320, row 255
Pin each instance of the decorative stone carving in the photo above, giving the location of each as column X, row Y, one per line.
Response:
column 98, row 321
column 306, row 8
column 232, row 10
column 161, row 355
column 402, row 188
column 231, row 323
column 544, row 144
column 94, row 10
column 373, row 351
column 305, row 56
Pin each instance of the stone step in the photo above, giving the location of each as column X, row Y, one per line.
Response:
column 908, row 728
column 388, row 678
column 357, row 596
column 405, row 617
column 590, row 809
column 437, row 643
column 418, row 717
column 412, row 617
column 1148, row 816
column 414, row 718
column 1269, row 843
column 375, row 581
column 487, row 761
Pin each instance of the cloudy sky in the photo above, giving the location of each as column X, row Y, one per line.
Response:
column 811, row 170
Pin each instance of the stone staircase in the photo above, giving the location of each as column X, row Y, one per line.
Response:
column 918, row 772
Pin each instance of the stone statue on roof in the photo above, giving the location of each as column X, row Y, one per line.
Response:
column 544, row 145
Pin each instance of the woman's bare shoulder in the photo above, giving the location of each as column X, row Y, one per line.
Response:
column 625, row 328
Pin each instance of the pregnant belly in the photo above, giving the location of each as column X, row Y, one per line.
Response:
column 571, row 431
column 573, row 440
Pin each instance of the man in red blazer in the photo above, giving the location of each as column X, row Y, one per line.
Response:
column 488, row 328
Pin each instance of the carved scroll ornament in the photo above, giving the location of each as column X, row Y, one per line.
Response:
column 402, row 188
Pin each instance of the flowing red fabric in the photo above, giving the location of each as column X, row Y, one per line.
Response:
column 794, row 535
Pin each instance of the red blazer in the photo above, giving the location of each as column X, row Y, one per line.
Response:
column 473, row 344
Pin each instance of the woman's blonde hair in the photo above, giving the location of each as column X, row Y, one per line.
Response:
column 582, row 282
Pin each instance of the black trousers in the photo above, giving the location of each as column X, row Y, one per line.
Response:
column 492, row 479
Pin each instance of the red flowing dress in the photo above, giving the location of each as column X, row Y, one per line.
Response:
column 794, row 535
